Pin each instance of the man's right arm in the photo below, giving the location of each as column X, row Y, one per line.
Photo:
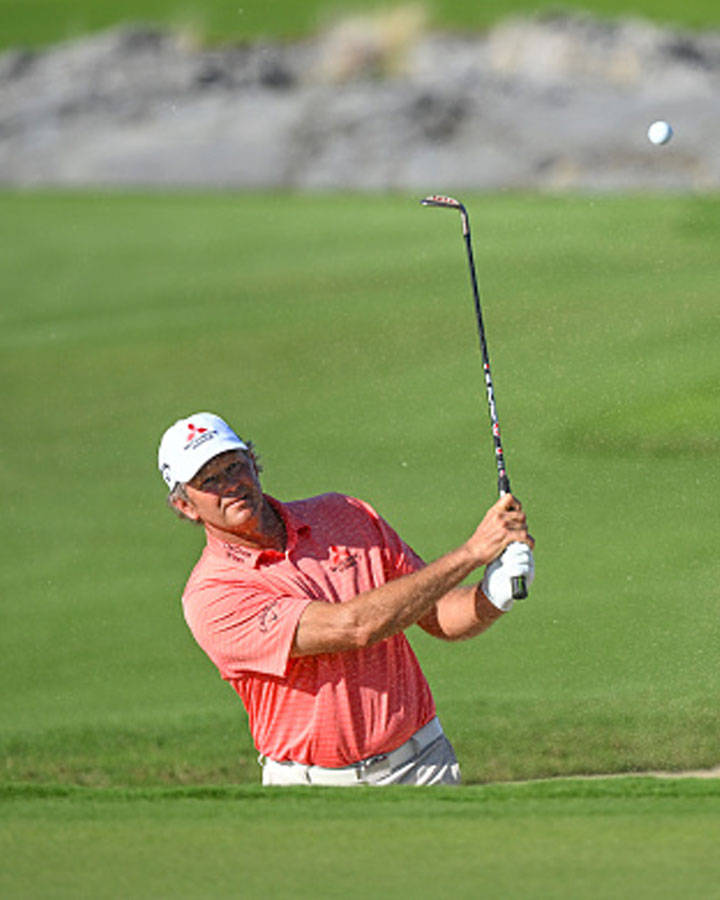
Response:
column 392, row 607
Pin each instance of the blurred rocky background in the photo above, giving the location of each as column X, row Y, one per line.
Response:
column 374, row 102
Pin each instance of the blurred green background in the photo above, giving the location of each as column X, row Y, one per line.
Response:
column 31, row 22
column 338, row 333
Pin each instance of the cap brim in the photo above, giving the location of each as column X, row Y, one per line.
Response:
column 195, row 461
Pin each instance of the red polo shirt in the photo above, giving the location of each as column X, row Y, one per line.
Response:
column 243, row 606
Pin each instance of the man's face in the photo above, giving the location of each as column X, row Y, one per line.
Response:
column 226, row 494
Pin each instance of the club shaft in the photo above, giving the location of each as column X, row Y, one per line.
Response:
column 503, row 479
column 519, row 583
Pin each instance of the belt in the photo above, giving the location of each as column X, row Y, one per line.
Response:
column 356, row 772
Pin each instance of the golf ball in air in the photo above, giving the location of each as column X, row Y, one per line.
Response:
column 660, row 132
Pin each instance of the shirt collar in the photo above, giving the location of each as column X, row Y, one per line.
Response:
column 254, row 557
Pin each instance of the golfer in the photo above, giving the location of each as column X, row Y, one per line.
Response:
column 302, row 606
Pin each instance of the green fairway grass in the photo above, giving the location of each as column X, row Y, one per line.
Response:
column 337, row 332
column 606, row 839
column 30, row 22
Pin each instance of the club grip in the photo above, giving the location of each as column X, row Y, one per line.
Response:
column 519, row 587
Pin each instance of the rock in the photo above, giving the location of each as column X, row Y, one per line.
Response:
column 549, row 103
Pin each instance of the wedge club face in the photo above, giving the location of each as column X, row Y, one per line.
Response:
column 444, row 202
column 440, row 200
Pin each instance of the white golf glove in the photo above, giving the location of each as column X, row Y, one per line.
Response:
column 516, row 559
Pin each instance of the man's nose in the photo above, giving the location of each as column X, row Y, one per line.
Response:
column 232, row 480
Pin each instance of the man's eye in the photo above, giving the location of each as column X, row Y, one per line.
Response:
column 209, row 483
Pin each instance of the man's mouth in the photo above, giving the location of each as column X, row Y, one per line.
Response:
column 237, row 499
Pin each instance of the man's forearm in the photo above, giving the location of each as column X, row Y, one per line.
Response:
column 400, row 603
column 392, row 607
column 383, row 611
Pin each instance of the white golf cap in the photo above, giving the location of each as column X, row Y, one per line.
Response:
column 188, row 444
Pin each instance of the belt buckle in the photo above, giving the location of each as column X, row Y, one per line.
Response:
column 365, row 764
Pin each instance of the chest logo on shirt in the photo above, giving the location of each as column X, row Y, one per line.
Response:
column 237, row 553
column 340, row 559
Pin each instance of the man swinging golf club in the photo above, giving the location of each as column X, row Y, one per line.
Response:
column 302, row 606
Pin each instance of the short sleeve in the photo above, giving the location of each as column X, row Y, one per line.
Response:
column 243, row 628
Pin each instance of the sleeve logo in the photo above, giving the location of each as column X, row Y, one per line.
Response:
column 268, row 616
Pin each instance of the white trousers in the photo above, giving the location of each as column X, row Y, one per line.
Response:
column 426, row 758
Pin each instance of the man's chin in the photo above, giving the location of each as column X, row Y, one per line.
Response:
column 239, row 514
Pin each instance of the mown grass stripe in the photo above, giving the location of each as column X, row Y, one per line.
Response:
column 553, row 789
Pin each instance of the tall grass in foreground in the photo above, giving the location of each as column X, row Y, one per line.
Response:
column 605, row 839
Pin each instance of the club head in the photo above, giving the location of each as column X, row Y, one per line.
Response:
column 440, row 200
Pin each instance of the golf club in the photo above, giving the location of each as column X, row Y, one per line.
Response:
column 519, row 584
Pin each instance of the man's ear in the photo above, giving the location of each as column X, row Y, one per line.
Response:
column 186, row 509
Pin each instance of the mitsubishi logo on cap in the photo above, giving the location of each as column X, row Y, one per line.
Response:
column 197, row 435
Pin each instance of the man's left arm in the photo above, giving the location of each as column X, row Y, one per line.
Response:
column 460, row 614
column 466, row 611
